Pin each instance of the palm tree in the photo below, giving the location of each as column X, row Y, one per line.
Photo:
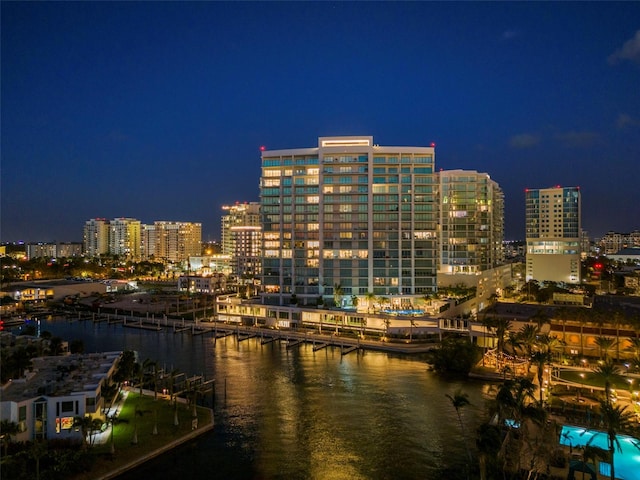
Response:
column 541, row 318
column 527, row 338
column 371, row 297
column 541, row 359
column 634, row 346
column 500, row 327
column 616, row 419
column 604, row 344
column 607, row 372
column 459, row 400
column 488, row 441
column 515, row 402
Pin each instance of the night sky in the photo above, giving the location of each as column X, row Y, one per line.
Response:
column 157, row 111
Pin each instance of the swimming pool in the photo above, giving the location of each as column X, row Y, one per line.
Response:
column 627, row 461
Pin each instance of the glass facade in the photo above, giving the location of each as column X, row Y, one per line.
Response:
column 348, row 214
column 471, row 222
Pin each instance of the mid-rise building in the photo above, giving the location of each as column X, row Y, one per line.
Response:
column 471, row 223
column 247, row 253
column 41, row 250
column 175, row 242
column 68, row 249
column 124, row 238
column 95, row 237
column 348, row 217
column 613, row 242
column 553, row 234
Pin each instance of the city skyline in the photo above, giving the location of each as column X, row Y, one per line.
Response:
column 157, row 111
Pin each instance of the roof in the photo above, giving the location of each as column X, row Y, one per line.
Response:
column 55, row 376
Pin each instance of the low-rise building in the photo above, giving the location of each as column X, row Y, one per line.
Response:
column 58, row 389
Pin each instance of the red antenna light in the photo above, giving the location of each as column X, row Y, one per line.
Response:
column 433, row 144
column 262, row 148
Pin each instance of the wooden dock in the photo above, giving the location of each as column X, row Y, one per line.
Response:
column 294, row 343
column 320, row 346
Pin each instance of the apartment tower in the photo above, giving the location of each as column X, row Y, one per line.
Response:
column 471, row 223
column 95, row 237
column 351, row 216
column 553, row 227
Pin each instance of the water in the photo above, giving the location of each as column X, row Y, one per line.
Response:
column 297, row 414
column 627, row 454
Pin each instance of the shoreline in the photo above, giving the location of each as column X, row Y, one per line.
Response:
column 155, row 453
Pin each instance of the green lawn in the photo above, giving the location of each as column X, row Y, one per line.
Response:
column 150, row 412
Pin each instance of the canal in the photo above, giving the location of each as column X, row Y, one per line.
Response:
column 302, row 414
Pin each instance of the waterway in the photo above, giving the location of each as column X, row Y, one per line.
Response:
column 298, row 414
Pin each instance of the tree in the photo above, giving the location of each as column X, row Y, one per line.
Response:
column 370, row 297
column 488, row 442
column 604, row 345
column 608, row 372
column 540, row 318
column 88, row 426
column 456, row 355
column 616, row 419
column 126, row 368
column 76, row 346
column 337, row 295
column 7, row 430
column 459, row 400
column 541, row 359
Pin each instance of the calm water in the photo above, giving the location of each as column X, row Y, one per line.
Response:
column 297, row 414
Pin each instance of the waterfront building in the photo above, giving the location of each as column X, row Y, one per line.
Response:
column 207, row 284
column 124, row 238
column 57, row 389
column 553, row 234
column 348, row 218
column 471, row 223
column 95, row 237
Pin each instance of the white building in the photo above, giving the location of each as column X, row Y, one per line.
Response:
column 58, row 389
column 95, row 237
column 124, row 238
column 553, row 234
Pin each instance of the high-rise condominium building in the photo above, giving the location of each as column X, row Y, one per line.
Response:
column 348, row 214
column 124, row 238
column 95, row 237
column 553, row 228
column 175, row 241
column 238, row 215
column 471, row 222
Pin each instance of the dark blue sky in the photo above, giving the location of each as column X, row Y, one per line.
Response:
column 157, row 110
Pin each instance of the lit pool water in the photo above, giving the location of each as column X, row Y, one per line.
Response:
column 626, row 460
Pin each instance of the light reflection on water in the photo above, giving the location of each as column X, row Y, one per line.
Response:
column 295, row 413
